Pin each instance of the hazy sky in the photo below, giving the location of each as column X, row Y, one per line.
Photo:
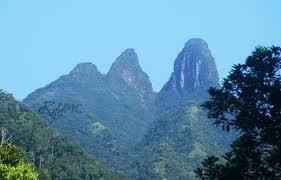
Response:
column 42, row 40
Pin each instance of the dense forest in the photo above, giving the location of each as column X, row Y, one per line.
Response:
column 52, row 155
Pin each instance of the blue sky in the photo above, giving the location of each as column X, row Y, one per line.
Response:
column 42, row 40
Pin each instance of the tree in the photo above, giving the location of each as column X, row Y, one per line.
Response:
column 12, row 165
column 9, row 154
column 249, row 101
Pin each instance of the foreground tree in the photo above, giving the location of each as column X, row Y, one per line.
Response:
column 249, row 102
column 12, row 165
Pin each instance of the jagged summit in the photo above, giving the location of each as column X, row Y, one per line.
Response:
column 86, row 72
column 120, row 102
column 194, row 68
column 128, row 60
column 129, row 52
column 85, row 68
column 127, row 67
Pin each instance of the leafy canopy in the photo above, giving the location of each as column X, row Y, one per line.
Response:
column 12, row 165
column 250, row 102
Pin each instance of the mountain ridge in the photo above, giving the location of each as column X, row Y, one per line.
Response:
column 120, row 110
column 114, row 110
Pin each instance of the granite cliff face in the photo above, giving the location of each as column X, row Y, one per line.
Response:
column 194, row 69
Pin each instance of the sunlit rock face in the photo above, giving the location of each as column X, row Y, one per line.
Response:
column 194, row 68
column 127, row 67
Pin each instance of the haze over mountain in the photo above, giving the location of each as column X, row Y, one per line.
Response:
column 128, row 126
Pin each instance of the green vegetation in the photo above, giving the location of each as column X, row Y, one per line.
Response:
column 176, row 143
column 12, row 165
column 249, row 101
column 124, row 124
column 198, row 150
column 45, row 148
column 127, row 126
column 98, row 127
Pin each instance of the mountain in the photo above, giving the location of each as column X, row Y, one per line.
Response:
column 181, row 135
column 50, row 152
column 118, row 118
column 194, row 73
column 115, row 108
column 194, row 69
column 127, row 68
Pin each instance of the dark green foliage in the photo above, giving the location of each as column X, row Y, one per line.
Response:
column 9, row 154
column 249, row 101
column 176, row 143
column 53, row 156
column 12, row 165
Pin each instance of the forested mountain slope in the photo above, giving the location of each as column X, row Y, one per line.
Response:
column 115, row 109
column 52, row 154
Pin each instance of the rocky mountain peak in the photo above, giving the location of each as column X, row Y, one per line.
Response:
column 85, row 71
column 196, row 42
column 128, row 60
column 85, row 68
column 194, row 68
column 127, row 68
